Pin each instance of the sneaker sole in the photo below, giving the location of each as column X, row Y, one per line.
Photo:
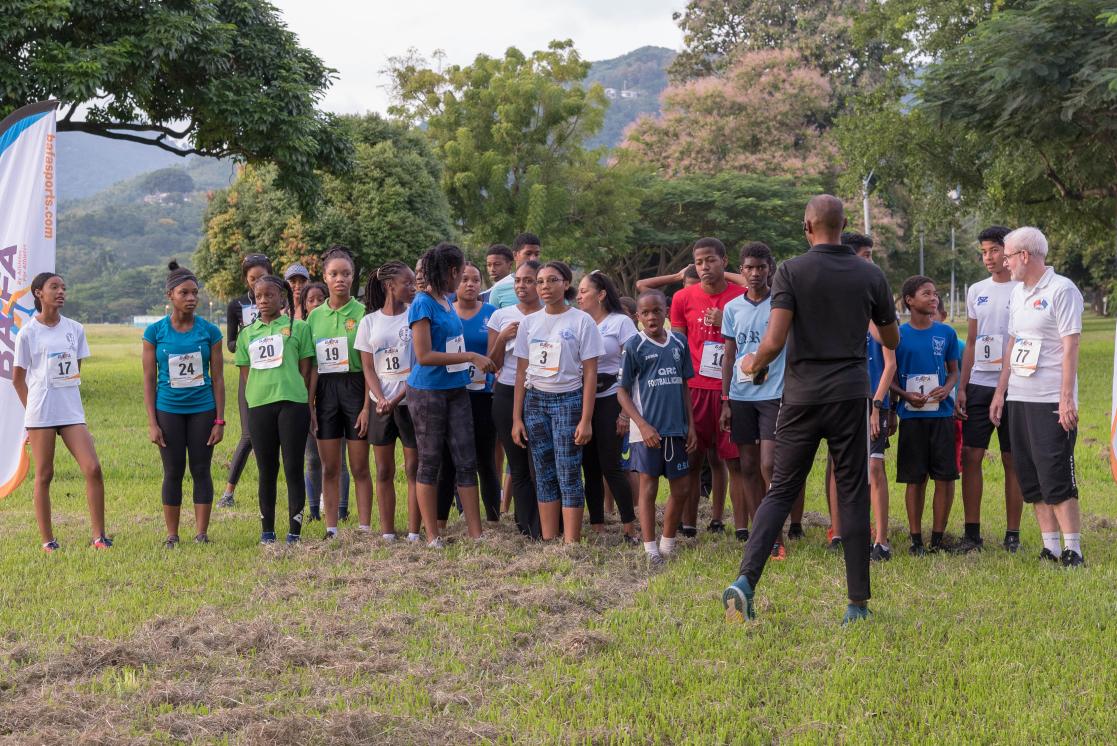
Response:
column 738, row 607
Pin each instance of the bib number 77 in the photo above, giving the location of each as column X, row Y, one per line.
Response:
column 1025, row 357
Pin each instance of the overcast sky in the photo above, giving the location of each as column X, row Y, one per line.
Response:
column 356, row 38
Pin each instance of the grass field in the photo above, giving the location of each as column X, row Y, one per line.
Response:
column 357, row 641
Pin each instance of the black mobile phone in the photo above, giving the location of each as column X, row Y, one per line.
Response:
column 760, row 376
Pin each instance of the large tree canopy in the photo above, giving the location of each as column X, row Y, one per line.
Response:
column 213, row 77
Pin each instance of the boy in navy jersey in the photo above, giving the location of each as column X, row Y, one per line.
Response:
column 653, row 393
column 927, row 368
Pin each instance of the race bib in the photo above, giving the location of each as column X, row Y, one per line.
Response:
column 266, row 352
column 923, row 383
column 454, row 345
column 477, row 379
column 248, row 315
column 185, row 371
column 543, row 358
column 390, row 363
column 63, row 368
column 1025, row 357
column 742, row 377
column 333, row 355
column 988, row 352
column 713, row 353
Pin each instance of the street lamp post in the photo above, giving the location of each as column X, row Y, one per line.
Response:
column 955, row 196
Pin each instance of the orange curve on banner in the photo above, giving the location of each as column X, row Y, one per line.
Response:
column 1112, row 450
column 21, row 471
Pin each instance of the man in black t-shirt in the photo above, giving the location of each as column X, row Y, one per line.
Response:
column 822, row 302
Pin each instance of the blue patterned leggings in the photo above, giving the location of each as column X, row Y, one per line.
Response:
column 550, row 420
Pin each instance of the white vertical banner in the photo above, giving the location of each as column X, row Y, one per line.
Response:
column 28, row 224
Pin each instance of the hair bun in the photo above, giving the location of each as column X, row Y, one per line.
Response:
column 172, row 265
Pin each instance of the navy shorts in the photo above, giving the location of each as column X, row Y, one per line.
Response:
column 669, row 460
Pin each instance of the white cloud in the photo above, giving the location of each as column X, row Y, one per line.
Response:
column 356, row 38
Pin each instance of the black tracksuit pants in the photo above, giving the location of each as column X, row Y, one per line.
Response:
column 280, row 427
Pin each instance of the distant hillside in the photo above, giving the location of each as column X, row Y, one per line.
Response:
column 87, row 163
column 633, row 82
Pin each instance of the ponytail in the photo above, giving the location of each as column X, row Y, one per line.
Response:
column 612, row 301
column 376, row 289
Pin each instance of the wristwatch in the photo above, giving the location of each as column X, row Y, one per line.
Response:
column 878, row 404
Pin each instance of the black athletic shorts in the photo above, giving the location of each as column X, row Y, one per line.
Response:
column 977, row 429
column 753, row 421
column 926, row 449
column 383, row 430
column 338, row 401
column 1043, row 455
column 878, row 445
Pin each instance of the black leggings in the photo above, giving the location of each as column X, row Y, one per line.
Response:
column 280, row 426
column 601, row 457
column 484, row 443
column 519, row 463
column 186, row 436
column 244, row 445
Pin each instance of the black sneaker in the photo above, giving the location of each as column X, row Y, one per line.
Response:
column 795, row 532
column 201, row 539
column 968, row 545
column 716, row 527
column 689, row 531
column 171, row 542
column 880, row 553
column 742, row 534
column 835, row 545
column 630, row 540
column 343, row 515
column 917, row 550
column 1012, row 544
column 329, row 535
column 1071, row 558
column 292, row 539
column 314, row 516
column 1048, row 555
column 226, row 501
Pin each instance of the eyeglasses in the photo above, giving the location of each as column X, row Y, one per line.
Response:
column 550, row 281
column 1013, row 253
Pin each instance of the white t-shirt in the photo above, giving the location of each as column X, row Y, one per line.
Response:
column 1039, row 318
column 555, row 344
column 987, row 303
column 616, row 329
column 388, row 338
column 500, row 319
column 50, row 355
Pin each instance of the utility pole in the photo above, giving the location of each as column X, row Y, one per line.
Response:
column 865, row 184
column 921, row 251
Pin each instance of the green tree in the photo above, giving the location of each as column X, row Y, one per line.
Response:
column 509, row 132
column 168, row 180
column 390, row 206
column 213, row 77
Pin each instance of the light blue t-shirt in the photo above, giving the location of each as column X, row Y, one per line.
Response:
column 476, row 331
column 445, row 325
column 191, row 352
column 926, row 352
column 745, row 322
column 655, row 376
column 503, row 293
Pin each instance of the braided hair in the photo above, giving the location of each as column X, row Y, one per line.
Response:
column 254, row 260
column 319, row 286
column 612, row 300
column 376, row 289
column 284, row 286
column 438, row 264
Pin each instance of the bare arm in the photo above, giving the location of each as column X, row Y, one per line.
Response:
column 217, row 377
column 779, row 326
column 889, row 335
column 997, row 406
column 652, row 283
column 19, row 381
column 519, row 432
column 1068, row 408
column 727, row 363
column 584, row 432
column 421, row 342
column 886, row 376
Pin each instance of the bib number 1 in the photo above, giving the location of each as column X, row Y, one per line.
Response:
column 923, row 384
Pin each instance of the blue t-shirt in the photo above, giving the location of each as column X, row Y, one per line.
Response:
column 477, row 340
column 745, row 322
column 926, row 352
column 876, row 362
column 445, row 326
column 655, row 376
column 192, row 389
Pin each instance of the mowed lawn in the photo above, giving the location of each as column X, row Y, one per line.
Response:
column 358, row 641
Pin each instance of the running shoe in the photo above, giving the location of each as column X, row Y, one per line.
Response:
column 656, row 561
column 51, row 546
column 1071, row 558
column 314, row 516
column 968, row 545
column 1048, row 555
column 1012, row 543
column 343, row 515
column 630, row 540
column 737, row 600
column 329, row 535
column 101, row 542
column 742, row 534
column 689, row 531
column 716, row 527
column 880, row 553
column 436, row 543
column 917, row 550
column 795, row 532
column 226, row 501
column 779, row 552
column 835, row 545
column 855, row 613
column 267, row 537
column 171, row 542
column 293, row 539
column 201, row 538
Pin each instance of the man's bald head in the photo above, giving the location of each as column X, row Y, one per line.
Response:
column 824, row 219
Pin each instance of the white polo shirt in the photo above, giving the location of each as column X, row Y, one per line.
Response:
column 1039, row 318
column 987, row 304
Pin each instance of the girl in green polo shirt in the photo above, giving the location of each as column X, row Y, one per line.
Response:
column 274, row 354
column 338, row 397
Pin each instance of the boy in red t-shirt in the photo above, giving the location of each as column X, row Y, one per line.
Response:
column 696, row 313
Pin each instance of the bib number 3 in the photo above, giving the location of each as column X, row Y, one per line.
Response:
column 543, row 358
